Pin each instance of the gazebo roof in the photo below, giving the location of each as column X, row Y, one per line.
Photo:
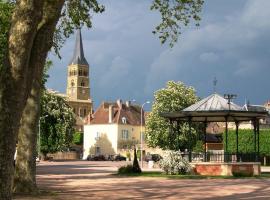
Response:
column 215, row 108
column 213, row 102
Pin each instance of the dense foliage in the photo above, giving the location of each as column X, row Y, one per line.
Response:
column 246, row 141
column 175, row 97
column 127, row 169
column 56, row 123
column 173, row 163
column 77, row 138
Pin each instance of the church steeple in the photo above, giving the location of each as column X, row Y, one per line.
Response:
column 78, row 56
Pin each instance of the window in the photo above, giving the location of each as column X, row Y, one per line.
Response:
column 74, row 72
column 97, row 135
column 124, row 134
column 80, row 72
column 82, row 84
column 81, row 112
column 98, row 151
column 85, row 73
column 124, row 120
column 72, row 83
column 84, row 112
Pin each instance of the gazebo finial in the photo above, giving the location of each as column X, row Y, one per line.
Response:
column 215, row 84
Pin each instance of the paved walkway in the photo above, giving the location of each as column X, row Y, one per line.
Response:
column 80, row 180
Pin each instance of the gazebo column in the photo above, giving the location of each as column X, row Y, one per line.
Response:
column 226, row 140
column 254, row 138
column 237, row 144
column 171, row 131
column 205, row 153
column 189, row 140
column 258, row 140
column 178, row 134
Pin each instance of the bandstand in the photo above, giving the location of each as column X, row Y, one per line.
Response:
column 216, row 108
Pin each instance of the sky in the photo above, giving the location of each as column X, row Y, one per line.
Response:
column 128, row 62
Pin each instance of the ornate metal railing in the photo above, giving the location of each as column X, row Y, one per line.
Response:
column 222, row 157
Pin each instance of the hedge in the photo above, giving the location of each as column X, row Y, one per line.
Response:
column 246, row 141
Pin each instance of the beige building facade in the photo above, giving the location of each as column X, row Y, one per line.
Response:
column 115, row 128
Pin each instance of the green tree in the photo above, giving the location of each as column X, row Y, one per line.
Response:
column 175, row 97
column 77, row 138
column 24, row 58
column 56, row 124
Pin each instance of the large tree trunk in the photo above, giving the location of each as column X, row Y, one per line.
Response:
column 14, row 77
column 25, row 168
column 25, row 171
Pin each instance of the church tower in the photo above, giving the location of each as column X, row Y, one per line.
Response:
column 78, row 84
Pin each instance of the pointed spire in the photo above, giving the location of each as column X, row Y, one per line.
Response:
column 78, row 56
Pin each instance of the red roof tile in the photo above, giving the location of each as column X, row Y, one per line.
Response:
column 130, row 113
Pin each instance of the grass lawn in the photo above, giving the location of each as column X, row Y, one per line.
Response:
column 162, row 175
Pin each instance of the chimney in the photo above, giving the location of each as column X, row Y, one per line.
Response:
column 119, row 103
column 111, row 114
column 128, row 103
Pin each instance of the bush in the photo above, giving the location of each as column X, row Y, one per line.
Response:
column 242, row 174
column 199, row 147
column 125, row 169
column 78, row 138
column 128, row 155
column 246, row 141
column 173, row 163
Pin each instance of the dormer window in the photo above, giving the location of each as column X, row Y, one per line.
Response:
column 124, row 120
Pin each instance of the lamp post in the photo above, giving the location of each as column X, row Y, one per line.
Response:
column 39, row 144
column 142, row 131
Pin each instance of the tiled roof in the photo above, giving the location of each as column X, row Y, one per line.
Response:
column 122, row 114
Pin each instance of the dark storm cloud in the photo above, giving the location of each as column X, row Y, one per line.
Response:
column 128, row 62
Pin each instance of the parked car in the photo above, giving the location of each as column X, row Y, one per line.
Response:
column 153, row 157
column 96, row 158
column 117, row 157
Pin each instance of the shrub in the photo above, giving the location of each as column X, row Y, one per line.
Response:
column 173, row 163
column 125, row 169
column 128, row 155
column 242, row 174
column 246, row 141
column 134, row 168
column 77, row 138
